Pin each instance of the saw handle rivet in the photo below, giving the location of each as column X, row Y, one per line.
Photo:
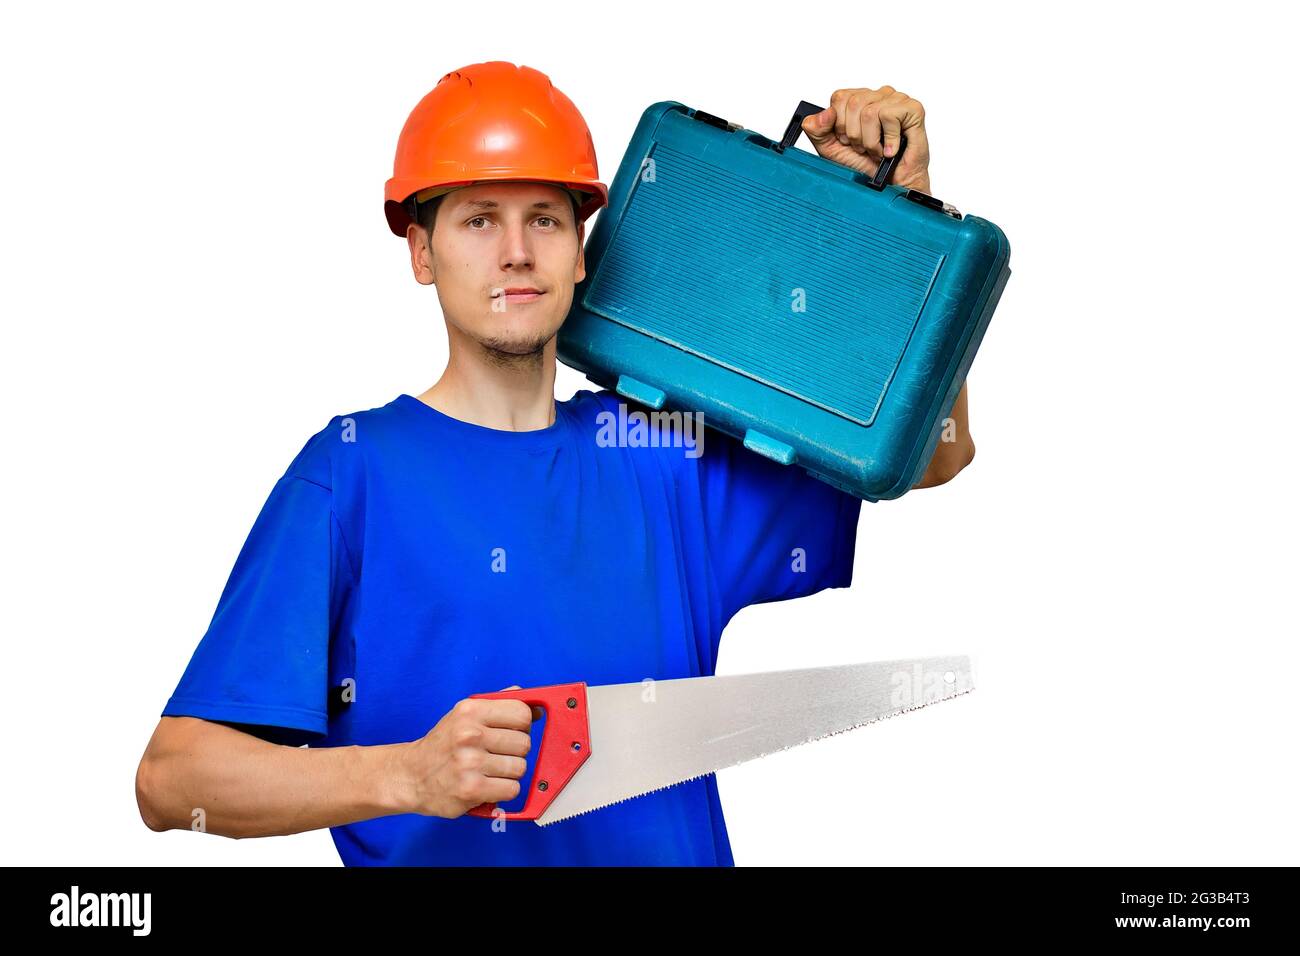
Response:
column 577, row 745
column 572, row 702
column 542, row 785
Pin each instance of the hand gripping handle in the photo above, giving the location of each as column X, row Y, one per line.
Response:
column 795, row 127
column 566, row 743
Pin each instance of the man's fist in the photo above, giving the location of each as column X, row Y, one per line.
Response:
column 863, row 126
column 474, row 755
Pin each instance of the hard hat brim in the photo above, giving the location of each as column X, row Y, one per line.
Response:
column 592, row 195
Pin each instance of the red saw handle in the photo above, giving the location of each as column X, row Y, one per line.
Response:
column 566, row 743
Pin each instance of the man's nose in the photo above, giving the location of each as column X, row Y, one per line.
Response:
column 516, row 249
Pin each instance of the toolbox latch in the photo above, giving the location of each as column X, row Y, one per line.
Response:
column 769, row 447
column 717, row 121
column 938, row 205
column 640, row 392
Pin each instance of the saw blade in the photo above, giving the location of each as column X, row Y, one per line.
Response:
column 656, row 734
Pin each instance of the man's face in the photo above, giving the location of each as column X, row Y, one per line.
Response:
column 504, row 257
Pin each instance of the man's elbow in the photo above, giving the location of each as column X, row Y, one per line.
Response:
column 947, row 463
column 145, row 795
column 156, row 777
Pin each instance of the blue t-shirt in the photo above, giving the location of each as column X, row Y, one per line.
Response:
column 415, row 559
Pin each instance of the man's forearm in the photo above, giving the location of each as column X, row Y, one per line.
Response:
column 955, row 448
column 204, row 775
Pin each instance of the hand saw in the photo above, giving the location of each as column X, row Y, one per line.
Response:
column 612, row 742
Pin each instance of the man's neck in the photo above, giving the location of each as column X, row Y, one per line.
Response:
column 495, row 390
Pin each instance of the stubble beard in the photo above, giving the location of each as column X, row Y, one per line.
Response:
column 515, row 353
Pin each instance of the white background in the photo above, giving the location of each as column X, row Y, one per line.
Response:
column 198, row 275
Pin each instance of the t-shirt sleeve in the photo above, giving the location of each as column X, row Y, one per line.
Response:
column 774, row 532
column 263, row 664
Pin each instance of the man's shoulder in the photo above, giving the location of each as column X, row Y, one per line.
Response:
column 341, row 438
column 585, row 398
column 586, row 406
column 664, row 433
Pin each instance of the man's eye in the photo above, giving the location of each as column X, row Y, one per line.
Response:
column 477, row 219
column 546, row 220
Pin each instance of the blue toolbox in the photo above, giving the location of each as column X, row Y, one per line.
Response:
column 823, row 316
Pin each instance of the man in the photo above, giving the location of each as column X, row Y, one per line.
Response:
column 479, row 535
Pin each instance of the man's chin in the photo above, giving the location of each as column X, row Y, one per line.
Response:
column 520, row 345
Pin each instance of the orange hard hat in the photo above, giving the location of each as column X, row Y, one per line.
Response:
column 489, row 122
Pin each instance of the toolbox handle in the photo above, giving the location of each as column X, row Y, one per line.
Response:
column 795, row 127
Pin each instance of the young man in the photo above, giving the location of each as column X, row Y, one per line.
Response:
column 482, row 534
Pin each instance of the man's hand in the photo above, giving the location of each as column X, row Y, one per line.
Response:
column 863, row 126
column 474, row 755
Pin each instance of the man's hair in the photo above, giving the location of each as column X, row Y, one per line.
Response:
column 427, row 212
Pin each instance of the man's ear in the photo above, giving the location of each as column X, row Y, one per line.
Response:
column 422, row 261
column 580, row 270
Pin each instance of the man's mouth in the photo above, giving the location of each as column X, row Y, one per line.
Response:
column 518, row 293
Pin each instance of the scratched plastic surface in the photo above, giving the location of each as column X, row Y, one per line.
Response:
column 828, row 324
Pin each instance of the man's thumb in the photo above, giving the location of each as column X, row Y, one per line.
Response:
column 820, row 126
